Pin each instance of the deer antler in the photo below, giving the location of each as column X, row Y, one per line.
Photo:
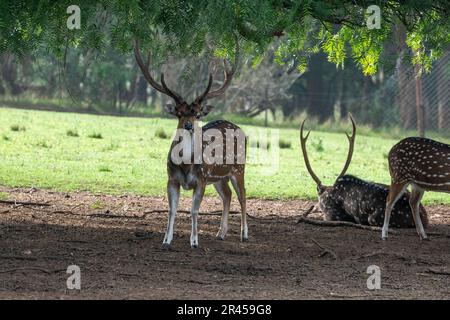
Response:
column 351, row 140
column 146, row 72
column 228, row 76
column 208, row 87
column 305, row 155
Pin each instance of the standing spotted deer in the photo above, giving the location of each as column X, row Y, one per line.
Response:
column 425, row 165
column 355, row 200
column 195, row 175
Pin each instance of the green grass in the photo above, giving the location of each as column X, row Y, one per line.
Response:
column 97, row 205
column 72, row 133
column 160, row 133
column 95, row 135
column 130, row 158
column 16, row 128
column 283, row 144
column 156, row 111
column 4, row 196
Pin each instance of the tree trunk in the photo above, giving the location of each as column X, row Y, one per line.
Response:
column 441, row 116
column 10, row 74
column 266, row 112
column 152, row 98
column 405, row 85
column 343, row 96
column 266, row 121
column 141, row 94
column 317, row 103
column 419, row 103
column 443, row 94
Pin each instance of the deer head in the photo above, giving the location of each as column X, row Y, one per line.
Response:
column 321, row 189
column 187, row 113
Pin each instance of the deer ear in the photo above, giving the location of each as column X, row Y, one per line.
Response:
column 171, row 109
column 204, row 111
column 320, row 189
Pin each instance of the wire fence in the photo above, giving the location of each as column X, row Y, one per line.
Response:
column 393, row 104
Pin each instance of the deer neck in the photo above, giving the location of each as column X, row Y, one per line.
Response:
column 193, row 144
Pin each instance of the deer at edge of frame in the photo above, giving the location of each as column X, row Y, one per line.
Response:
column 425, row 165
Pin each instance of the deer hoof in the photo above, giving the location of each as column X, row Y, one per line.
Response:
column 424, row 238
column 165, row 246
column 244, row 239
column 194, row 246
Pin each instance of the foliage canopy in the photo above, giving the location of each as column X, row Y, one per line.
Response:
column 208, row 27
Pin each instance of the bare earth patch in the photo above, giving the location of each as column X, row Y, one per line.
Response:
column 116, row 242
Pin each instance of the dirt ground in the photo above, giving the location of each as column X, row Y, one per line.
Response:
column 116, row 242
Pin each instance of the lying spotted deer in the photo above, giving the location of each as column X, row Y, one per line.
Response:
column 425, row 165
column 195, row 175
column 355, row 200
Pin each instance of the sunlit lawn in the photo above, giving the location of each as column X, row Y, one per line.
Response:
column 104, row 154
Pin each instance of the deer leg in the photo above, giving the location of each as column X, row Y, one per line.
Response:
column 173, row 191
column 225, row 193
column 196, row 201
column 414, row 202
column 239, row 186
column 395, row 193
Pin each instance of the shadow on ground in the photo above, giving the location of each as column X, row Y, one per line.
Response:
column 117, row 248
